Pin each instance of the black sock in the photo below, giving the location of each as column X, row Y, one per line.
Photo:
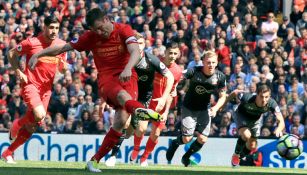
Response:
column 178, row 141
column 195, row 147
column 115, row 149
column 239, row 146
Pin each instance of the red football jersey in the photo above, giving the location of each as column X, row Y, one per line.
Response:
column 46, row 67
column 159, row 84
column 110, row 55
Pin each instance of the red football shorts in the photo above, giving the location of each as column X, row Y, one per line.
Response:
column 110, row 86
column 34, row 97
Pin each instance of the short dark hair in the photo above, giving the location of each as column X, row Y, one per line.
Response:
column 51, row 19
column 172, row 45
column 263, row 88
column 94, row 14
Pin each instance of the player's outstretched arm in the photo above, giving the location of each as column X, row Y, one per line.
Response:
column 231, row 96
column 135, row 55
column 281, row 124
column 13, row 59
column 50, row 51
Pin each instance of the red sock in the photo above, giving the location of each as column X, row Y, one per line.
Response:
column 108, row 143
column 132, row 105
column 150, row 145
column 22, row 137
column 136, row 148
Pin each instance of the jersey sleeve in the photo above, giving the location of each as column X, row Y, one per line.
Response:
column 23, row 47
column 83, row 43
column 222, row 83
column 188, row 74
column 274, row 108
column 127, row 35
column 244, row 97
column 157, row 64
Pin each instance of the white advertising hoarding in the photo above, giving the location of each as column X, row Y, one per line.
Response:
column 66, row 147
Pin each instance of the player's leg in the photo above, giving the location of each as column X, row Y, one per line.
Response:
column 113, row 136
column 195, row 147
column 188, row 125
column 33, row 99
column 110, row 139
column 112, row 159
column 128, row 99
column 136, row 108
column 203, row 130
column 138, row 136
column 23, row 135
column 152, row 141
column 244, row 136
column 27, row 125
column 254, row 129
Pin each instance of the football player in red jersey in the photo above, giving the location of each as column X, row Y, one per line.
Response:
column 116, row 52
column 36, row 83
column 159, row 85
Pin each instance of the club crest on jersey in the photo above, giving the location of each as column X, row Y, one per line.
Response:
column 143, row 78
column 74, row 40
column 162, row 66
column 214, row 80
column 200, row 89
column 19, row 48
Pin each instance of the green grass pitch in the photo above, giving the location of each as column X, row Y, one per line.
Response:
column 67, row 168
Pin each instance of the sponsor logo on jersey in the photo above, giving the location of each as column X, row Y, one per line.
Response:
column 200, row 89
column 19, row 48
column 143, row 78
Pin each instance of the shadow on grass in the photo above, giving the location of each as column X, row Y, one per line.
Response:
column 67, row 171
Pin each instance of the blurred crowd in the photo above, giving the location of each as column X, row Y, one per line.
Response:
column 255, row 42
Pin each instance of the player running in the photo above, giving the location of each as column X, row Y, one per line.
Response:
column 36, row 83
column 116, row 52
column 196, row 111
column 172, row 53
column 248, row 118
column 146, row 68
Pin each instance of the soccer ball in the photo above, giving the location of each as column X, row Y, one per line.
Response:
column 289, row 146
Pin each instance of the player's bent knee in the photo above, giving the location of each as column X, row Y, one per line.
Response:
column 39, row 113
column 202, row 139
column 246, row 136
column 122, row 97
column 186, row 139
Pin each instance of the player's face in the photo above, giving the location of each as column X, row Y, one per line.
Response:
column 210, row 65
column 52, row 31
column 172, row 55
column 262, row 98
column 141, row 43
column 102, row 27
